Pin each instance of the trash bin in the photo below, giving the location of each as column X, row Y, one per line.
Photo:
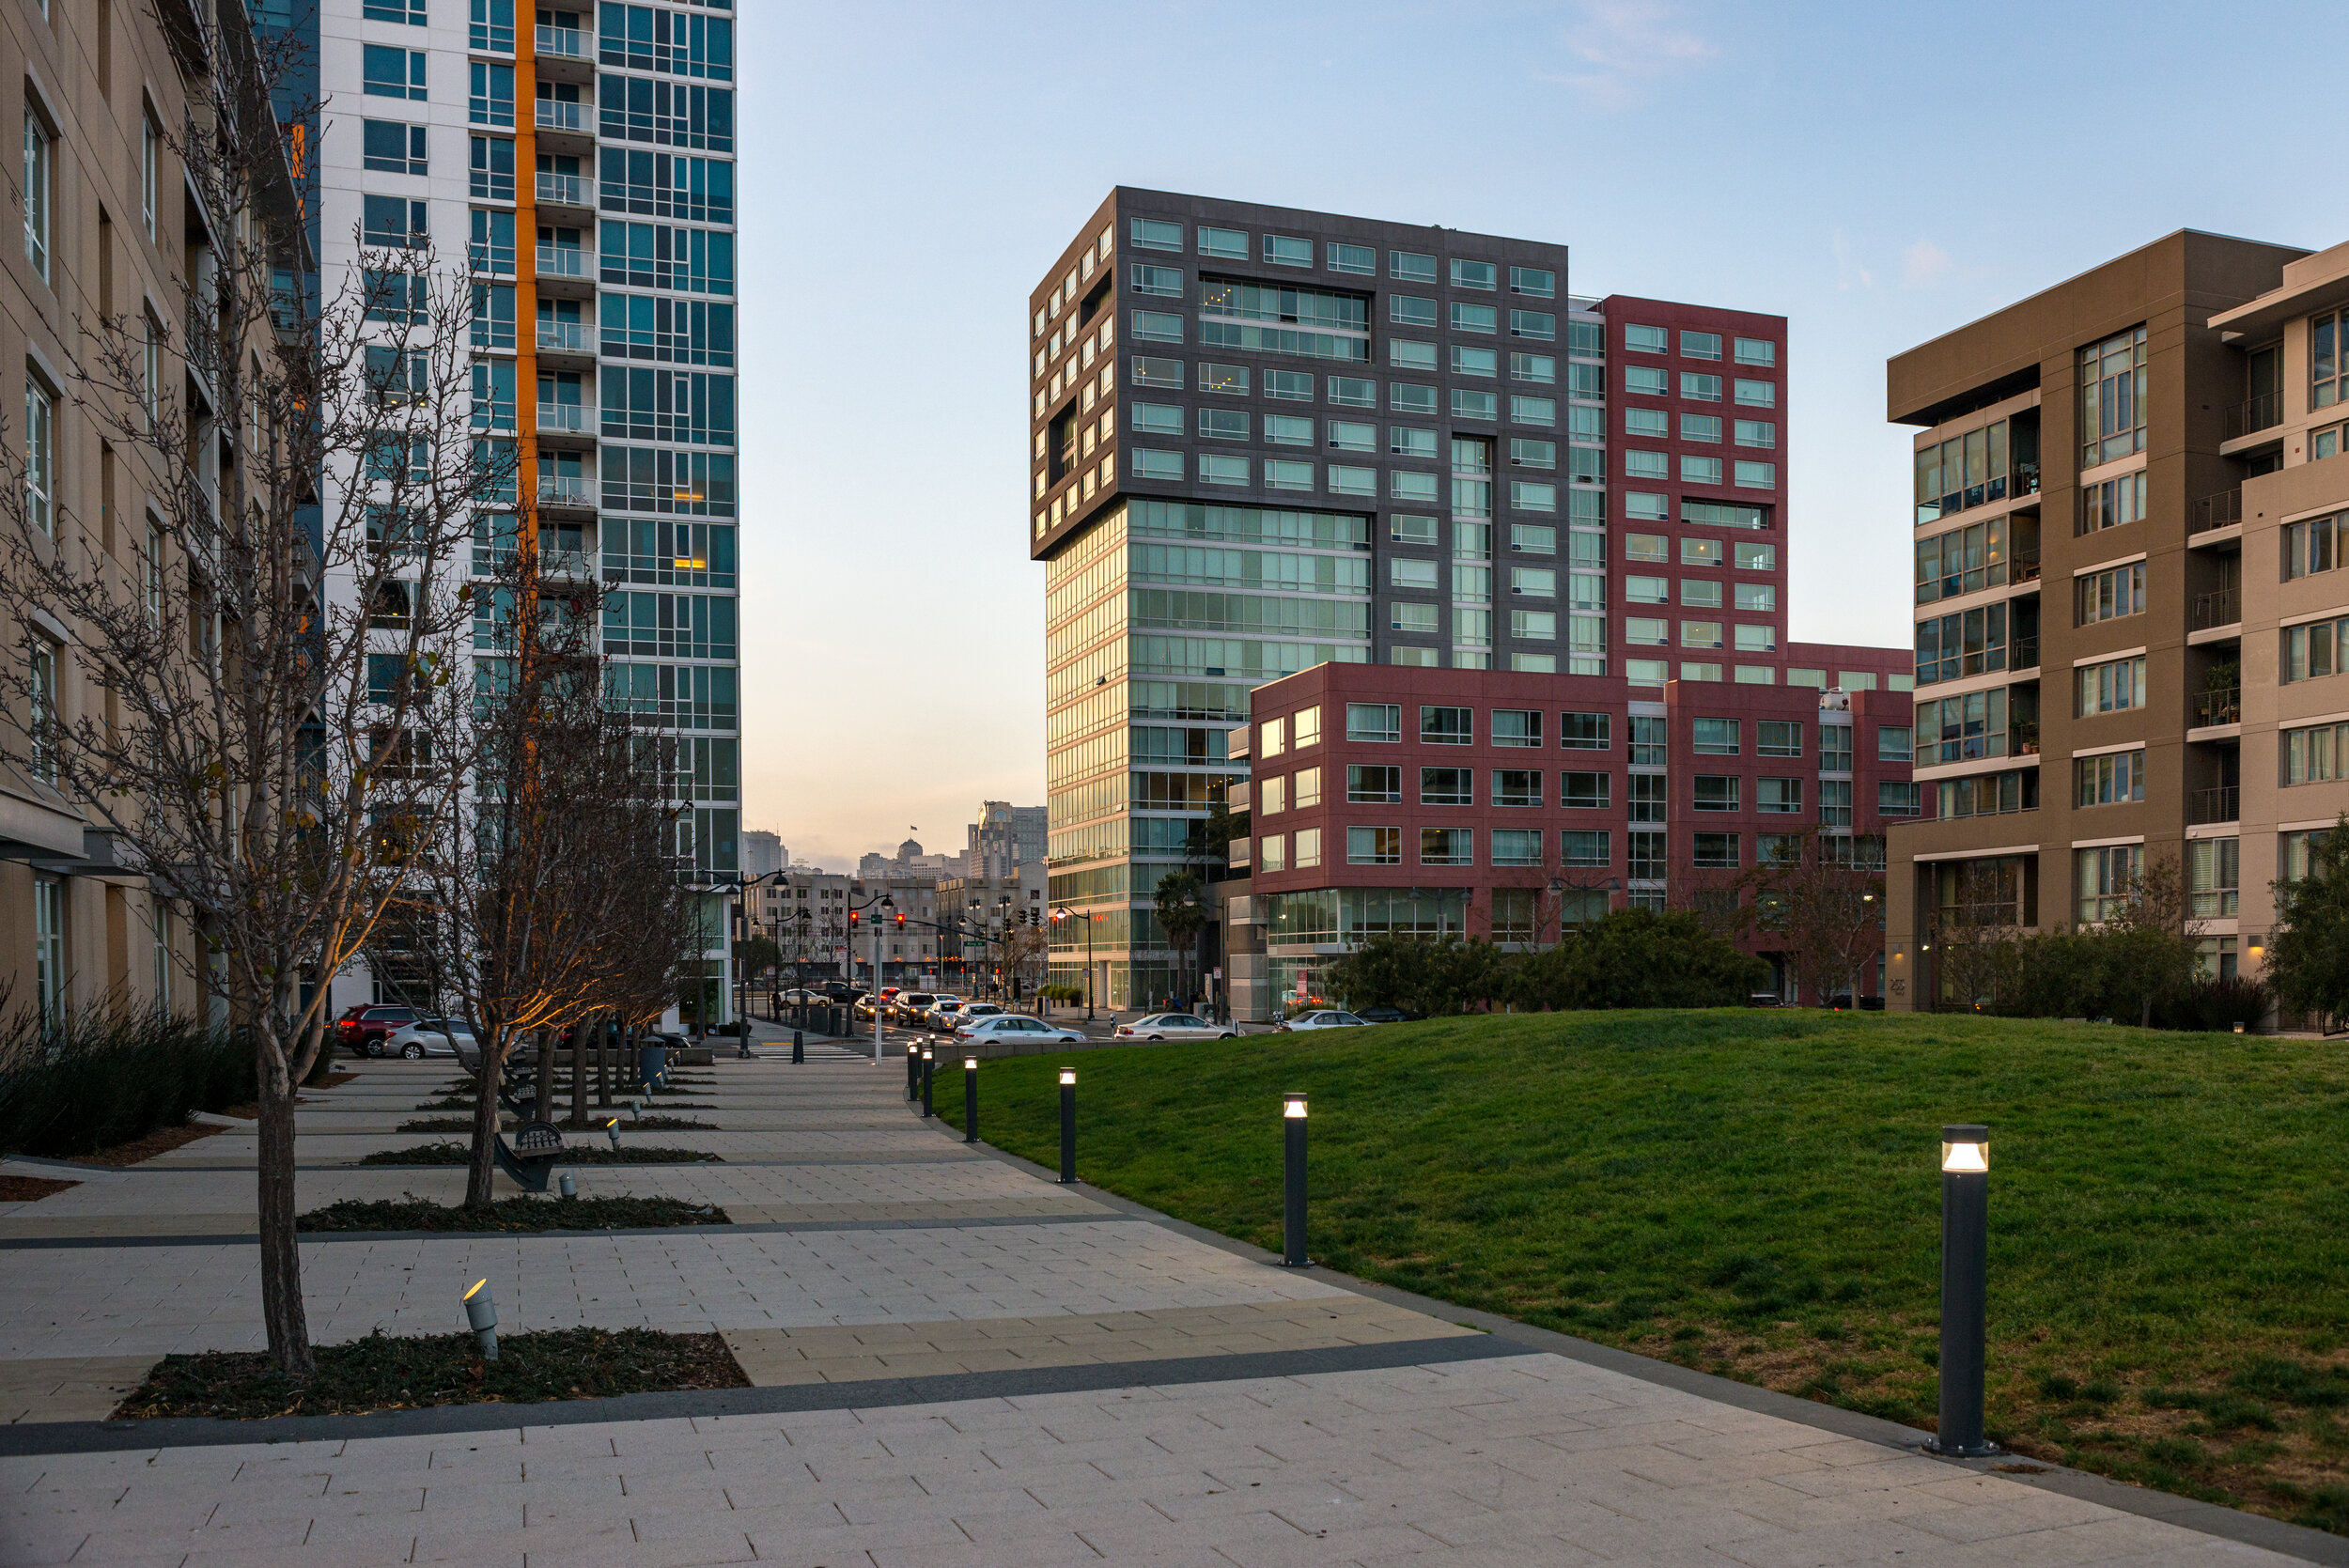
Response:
column 651, row 1060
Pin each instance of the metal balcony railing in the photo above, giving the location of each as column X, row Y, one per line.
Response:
column 562, row 261
column 554, row 114
column 2218, row 707
column 574, row 565
column 2222, row 805
column 2026, row 653
column 563, row 336
column 2254, row 414
column 566, row 189
column 565, row 43
column 2215, row 511
column 566, row 490
column 2223, row 607
column 2024, row 567
column 563, row 419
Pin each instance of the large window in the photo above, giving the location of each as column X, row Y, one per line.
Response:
column 36, row 163
column 2103, row 879
column 1374, row 847
column 1960, row 729
column 1976, row 468
column 2328, row 359
column 2112, row 502
column 1447, row 846
column 2116, row 778
column 1989, row 794
column 1372, row 785
column 2112, row 687
column 1971, row 642
column 1963, row 560
column 2108, row 595
column 2212, row 877
column 1447, row 727
column 1583, row 732
column 1373, row 721
column 1263, row 320
column 41, row 456
column 2112, row 399
column 2318, row 754
column 2309, row 547
column 2312, row 650
column 1447, row 786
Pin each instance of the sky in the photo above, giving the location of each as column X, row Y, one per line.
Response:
column 1877, row 174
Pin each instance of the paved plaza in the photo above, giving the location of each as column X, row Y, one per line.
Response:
column 955, row 1361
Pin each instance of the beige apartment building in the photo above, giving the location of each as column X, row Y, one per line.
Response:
column 2125, row 620
column 109, row 228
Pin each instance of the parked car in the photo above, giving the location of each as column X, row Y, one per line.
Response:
column 1389, row 1015
column 1017, row 1027
column 1172, row 1026
column 1326, row 1018
column 906, row 1007
column 365, row 1026
column 944, row 1012
column 1763, row 999
column 978, row 1010
column 801, row 997
column 431, row 1037
column 841, row 992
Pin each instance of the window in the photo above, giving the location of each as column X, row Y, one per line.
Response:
column 1835, row 803
column 1165, row 282
column 1447, row 846
column 1269, row 740
column 409, row 12
column 2112, row 502
column 1149, row 371
column 2114, row 779
column 2112, row 399
column 1157, row 419
column 1585, row 846
column 2315, row 754
column 1216, row 468
column 43, row 699
column 387, row 71
column 1410, row 310
column 1756, row 432
column 1447, row 727
column 1536, row 538
column 1352, row 392
column 1756, row 597
column 1952, row 646
column 1415, row 576
column 1700, row 344
column 1701, row 470
column 49, row 952
column 1716, row 853
column 1699, row 387
column 2108, row 595
column 40, row 457
column 1157, row 234
column 37, row 161
column 1292, row 386
column 1517, row 847
column 1649, row 744
column 1307, row 790
column 389, row 147
column 1752, row 476
column 1230, row 243
column 1541, row 369
column 2213, row 878
column 1647, row 631
column 1150, row 464
column 2310, row 547
column 1756, row 351
column 1895, row 799
column 1701, row 427
column 1534, row 582
column 1538, row 324
column 1374, row 847
column 1757, row 395
column 1782, row 738
column 1645, row 340
column 1474, row 274
column 1643, row 381
column 1834, row 748
column 1410, row 267
column 1582, row 732
column 1779, row 796
column 1158, row 326
column 1305, row 728
column 1308, row 847
column 1360, row 260
column 1272, row 851
column 2295, row 851
column 1373, row 721
column 393, row 222
column 2112, row 687
column 1373, row 786
column 1717, row 791
column 1645, row 465
column 1475, row 361
column 152, row 146
column 1650, row 423
column 1513, row 726
column 2103, row 879
column 1473, row 318
column 1517, row 787
column 2315, row 649
column 1586, row 791
column 1287, row 429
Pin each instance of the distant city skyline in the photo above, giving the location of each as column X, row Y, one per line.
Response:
column 1768, row 161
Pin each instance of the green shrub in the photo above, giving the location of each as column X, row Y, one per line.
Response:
column 1634, row 958
column 110, row 1077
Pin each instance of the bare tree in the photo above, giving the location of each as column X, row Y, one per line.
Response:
column 2152, row 937
column 276, row 663
column 1823, row 909
column 1974, row 940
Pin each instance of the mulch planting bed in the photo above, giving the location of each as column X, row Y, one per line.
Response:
column 162, row 1140
column 386, row 1373
column 665, row 1124
column 26, row 1189
column 412, row 1213
column 576, row 1153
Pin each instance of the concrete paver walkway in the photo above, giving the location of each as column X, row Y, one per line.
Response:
column 881, row 1284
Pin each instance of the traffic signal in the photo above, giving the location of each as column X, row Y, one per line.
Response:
column 901, row 920
column 853, row 917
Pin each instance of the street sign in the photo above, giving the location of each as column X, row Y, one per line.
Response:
column 1218, row 972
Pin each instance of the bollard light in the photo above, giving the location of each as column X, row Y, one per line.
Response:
column 970, row 1099
column 2239, row 1026
column 914, row 1071
column 1965, row 1270
column 929, row 1070
column 481, row 1315
column 569, row 1185
column 1293, row 1204
column 1068, row 1126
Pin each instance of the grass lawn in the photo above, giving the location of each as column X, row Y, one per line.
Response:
column 1757, row 1193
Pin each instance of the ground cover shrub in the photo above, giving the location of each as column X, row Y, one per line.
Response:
column 109, row 1077
column 412, row 1213
column 573, row 1154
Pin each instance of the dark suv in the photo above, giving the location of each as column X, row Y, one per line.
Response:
column 361, row 1030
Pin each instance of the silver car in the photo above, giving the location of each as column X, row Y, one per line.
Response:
column 1172, row 1026
column 1019, row 1028
column 1326, row 1018
column 431, row 1037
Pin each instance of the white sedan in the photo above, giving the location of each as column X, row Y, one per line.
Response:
column 1017, row 1027
column 430, row 1037
column 1172, row 1026
column 1326, row 1018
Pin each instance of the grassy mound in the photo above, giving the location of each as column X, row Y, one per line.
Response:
column 1756, row 1192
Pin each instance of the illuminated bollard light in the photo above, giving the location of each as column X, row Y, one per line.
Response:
column 1965, row 1270
column 481, row 1315
column 970, row 1099
column 1067, row 1125
column 914, row 1071
column 929, row 1070
column 1293, row 1205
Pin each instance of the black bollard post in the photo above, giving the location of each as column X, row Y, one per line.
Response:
column 914, row 1071
column 970, row 1099
column 1293, row 1205
column 799, row 1049
column 1068, row 1126
column 1965, row 1270
column 929, row 1069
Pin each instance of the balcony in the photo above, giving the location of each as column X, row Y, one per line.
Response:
column 565, row 43
column 571, row 565
column 564, row 337
column 2223, row 510
column 562, row 261
column 566, row 490
column 2022, row 567
column 2024, row 480
column 2223, row 607
column 566, row 189
column 2214, row 709
column 554, row 114
column 2254, row 416
column 2222, row 805
column 567, row 419
column 2026, row 653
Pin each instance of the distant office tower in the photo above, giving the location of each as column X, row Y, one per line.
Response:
column 2122, row 486
column 1004, row 837
column 763, row 853
column 1265, row 438
column 579, row 163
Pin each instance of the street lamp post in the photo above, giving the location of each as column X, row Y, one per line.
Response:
column 742, row 978
column 1066, row 913
column 885, row 902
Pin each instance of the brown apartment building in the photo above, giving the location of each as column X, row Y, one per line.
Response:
column 2127, row 627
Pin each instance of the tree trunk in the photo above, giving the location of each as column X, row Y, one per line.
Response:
column 579, row 1031
column 479, row 1192
column 607, row 1041
column 282, row 1311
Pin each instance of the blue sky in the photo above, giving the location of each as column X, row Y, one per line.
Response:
column 1877, row 174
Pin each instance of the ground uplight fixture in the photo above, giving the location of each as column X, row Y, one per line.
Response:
column 569, row 1185
column 612, row 1130
column 1965, row 1270
column 481, row 1316
column 1293, row 1196
column 1068, row 1126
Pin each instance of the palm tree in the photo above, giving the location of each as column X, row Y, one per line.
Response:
column 1181, row 916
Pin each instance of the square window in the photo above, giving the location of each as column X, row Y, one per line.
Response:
column 1516, row 726
column 1517, row 847
column 1781, row 796
column 1517, row 787
column 1373, row 721
column 1373, row 786
column 1374, row 846
column 1716, row 738
column 388, row 146
column 1583, row 732
column 1447, row 786
column 1716, row 852
column 1717, row 791
column 1447, row 727
column 1580, row 791
column 1780, row 737
column 1586, row 846
column 1447, row 846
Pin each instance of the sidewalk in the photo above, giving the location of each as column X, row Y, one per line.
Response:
column 957, row 1362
